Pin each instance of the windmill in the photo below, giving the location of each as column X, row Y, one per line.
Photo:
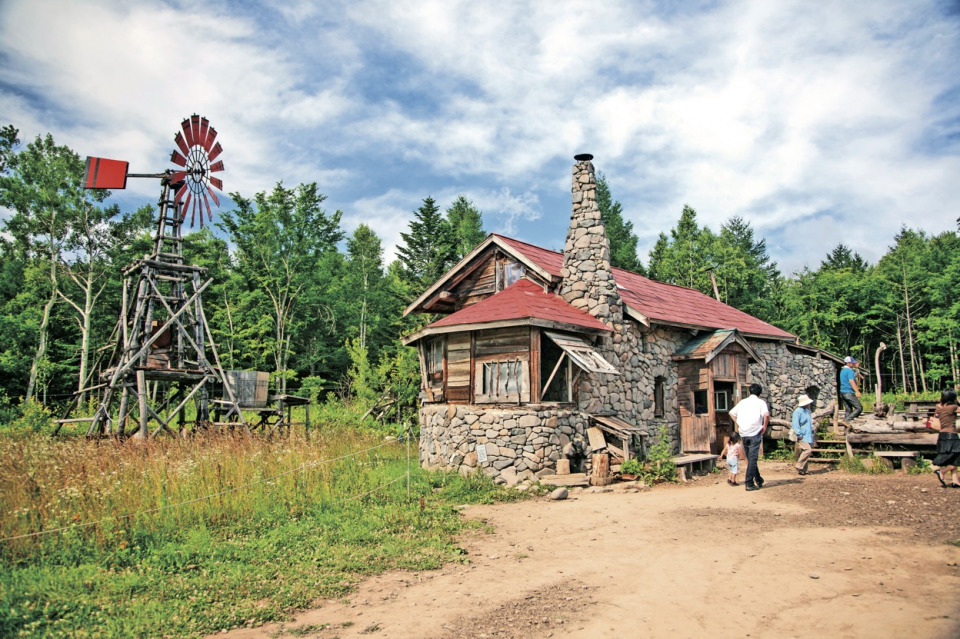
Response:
column 163, row 336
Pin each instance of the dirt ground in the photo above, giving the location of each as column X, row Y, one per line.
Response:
column 829, row 553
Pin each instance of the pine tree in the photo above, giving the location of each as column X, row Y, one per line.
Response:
column 429, row 249
column 623, row 241
column 466, row 223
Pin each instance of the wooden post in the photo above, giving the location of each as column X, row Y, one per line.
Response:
column 600, row 475
column 563, row 466
column 142, row 399
column 876, row 367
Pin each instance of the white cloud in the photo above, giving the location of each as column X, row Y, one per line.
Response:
column 778, row 112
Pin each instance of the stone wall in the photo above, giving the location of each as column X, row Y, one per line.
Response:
column 520, row 443
column 787, row 374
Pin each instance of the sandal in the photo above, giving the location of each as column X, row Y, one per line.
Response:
column 940, row 477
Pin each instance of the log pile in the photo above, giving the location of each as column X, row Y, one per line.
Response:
column 891, row 428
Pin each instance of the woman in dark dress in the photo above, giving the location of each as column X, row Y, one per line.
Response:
column 948, row 443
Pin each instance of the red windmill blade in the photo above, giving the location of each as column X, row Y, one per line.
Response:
column 196, row 151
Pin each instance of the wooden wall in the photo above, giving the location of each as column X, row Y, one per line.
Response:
column 505, row 344
column 459, row 370
column 479, row 285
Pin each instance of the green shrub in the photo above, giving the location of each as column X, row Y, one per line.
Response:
column 632, row 467
column 783, row 451
column 30, row 418
column 878, row 466
column 922, row 467
column 660, row 466
column 852, row 465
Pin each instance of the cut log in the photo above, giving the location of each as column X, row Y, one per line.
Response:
column 880, row 427
column 907, row 439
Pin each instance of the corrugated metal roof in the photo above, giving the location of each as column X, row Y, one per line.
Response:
column 660, row 302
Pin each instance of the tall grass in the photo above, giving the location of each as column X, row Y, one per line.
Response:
column 180, row 537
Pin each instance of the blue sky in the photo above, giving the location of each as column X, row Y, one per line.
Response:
column 818, row 122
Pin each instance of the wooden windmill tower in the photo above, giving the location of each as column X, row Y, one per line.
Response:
column 164, row 342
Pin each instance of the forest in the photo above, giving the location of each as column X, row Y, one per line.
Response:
column 292, row 293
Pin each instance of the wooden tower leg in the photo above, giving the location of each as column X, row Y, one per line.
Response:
column 142, row 399
column 121, row 425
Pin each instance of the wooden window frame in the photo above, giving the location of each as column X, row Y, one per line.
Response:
column 523, row 389
column 717, row 403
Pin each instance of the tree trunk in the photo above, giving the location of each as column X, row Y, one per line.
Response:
column 906, row 299
column 903, row 367
column 923, row 380
column 953, row 361
column 41, row 353
column 86, row 328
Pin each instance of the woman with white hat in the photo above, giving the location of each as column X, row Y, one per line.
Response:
column 802, row 424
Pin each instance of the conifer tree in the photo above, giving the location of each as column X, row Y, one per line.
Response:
column 428, row 249
column 623, row 241
column 466, row 224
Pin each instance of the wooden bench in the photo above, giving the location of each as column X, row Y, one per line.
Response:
column 695, row 461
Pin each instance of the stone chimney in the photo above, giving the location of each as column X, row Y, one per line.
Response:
column 588, row 281
column 588, row 284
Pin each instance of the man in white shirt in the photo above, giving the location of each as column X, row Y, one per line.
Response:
column 751, row 417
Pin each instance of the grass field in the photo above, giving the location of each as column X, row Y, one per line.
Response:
column 181, row 537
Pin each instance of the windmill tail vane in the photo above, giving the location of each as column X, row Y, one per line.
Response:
column 196, row 159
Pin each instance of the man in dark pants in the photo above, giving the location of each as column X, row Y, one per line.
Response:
column 751, row 417
column 849, row 389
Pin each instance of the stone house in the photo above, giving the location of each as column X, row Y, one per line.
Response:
column 536, row 348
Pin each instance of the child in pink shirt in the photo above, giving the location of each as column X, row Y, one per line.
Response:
column 734, row 452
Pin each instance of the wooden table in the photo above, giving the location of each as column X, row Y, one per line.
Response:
column 276, row 415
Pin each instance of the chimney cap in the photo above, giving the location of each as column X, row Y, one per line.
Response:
column 583, row 157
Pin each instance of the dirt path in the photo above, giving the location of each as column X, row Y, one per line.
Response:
column 798, row 558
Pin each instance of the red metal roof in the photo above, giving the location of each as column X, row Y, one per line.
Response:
column 660, row 302
column 522, row 300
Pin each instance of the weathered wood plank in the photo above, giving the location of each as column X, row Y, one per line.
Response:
column 597, row 440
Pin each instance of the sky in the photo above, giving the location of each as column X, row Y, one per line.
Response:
column 816, row 122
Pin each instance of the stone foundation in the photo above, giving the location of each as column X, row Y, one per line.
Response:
column 520, row 443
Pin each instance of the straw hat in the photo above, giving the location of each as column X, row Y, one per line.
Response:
column 803, row 400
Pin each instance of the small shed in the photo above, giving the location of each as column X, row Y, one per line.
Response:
column 713, row 373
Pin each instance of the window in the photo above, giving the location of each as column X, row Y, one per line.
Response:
column 658, row 409
column 721, row 401
column 700, row 402
column 434, row 360
column 555, row 373
column 582, row 354
column 502, row 380
column 512, row 272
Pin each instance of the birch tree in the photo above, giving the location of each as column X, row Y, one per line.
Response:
column 42, row 185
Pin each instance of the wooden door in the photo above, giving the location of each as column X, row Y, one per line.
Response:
column 696, row 433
